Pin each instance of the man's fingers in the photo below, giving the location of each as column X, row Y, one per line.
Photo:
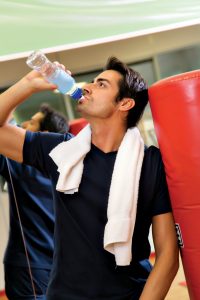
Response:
column 62, row 67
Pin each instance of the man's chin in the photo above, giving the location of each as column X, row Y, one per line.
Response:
column 78, row 109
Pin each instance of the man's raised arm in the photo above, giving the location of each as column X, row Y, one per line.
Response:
column 12, row 137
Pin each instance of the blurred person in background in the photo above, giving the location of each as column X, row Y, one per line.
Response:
column 28, row 256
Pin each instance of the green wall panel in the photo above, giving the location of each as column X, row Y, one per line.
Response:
column 37, row 24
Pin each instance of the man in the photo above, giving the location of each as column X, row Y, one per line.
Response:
column 101, row 251
column 47, row 119
column 29, row 252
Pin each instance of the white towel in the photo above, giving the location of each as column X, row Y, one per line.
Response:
column 122, row 202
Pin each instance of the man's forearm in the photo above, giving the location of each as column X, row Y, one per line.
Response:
column 12, row 97
column 160, row 279
column 12, row 137
column 32, row 83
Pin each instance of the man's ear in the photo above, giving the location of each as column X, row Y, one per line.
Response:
column 126, row 104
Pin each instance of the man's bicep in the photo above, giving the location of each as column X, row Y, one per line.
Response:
column 164, row 233
column 12, row 141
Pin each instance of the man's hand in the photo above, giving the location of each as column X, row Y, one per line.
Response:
column 36, row 82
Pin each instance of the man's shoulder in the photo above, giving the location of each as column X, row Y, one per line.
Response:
column 152, row 151
column 152, row 159
column 38, row 145
column 46, row 139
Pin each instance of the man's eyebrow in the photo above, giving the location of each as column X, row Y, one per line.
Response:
column 100, row 79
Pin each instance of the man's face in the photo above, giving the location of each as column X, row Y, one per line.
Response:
column 99, row 98
column 34, row 123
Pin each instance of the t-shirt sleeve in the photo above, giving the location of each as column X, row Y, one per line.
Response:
column 161, row 198
column 38, row 145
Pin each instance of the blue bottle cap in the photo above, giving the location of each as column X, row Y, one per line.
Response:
column 77, row 94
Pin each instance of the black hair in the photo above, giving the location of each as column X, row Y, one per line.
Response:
column 53, row 120
column 132, row 85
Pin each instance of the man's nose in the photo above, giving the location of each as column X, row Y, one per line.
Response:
column 87, row 88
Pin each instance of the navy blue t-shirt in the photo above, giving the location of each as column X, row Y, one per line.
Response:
column 82, row 269
column 36, row 208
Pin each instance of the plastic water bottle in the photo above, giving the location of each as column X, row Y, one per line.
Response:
column 38, row 61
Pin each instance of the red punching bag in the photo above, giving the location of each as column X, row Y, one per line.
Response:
column 175, row 105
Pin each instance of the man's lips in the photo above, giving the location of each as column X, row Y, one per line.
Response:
column 82, row 99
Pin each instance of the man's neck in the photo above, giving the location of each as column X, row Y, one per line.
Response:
column 107, row 137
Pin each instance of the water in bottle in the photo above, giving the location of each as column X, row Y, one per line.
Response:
column 66, row 84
